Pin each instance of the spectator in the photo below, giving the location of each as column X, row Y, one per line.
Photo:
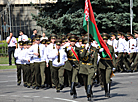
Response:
column 34, row 33
column 44, row 37
column 22, row 36
column 12, row 45
column 5, row 30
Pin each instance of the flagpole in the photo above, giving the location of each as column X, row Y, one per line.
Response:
column 88, row 30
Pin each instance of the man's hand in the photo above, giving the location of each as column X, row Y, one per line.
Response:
column 36, row 54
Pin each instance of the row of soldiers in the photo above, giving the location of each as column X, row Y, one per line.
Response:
column 47, row 61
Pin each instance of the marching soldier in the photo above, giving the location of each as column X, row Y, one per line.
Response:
column 72, row 65
column 135, row 64
column 58, row 57
column 132, row 49
column 88, row 65
column 50, row 47
column 106, row 65
column 37, row 51
column 18, row 61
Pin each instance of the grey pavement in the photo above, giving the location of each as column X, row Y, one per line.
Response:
column 5, row 64
column 124, row 89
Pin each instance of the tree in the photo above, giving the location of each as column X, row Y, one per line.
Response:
column 67, row 16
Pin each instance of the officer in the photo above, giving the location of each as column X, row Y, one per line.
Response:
column 59, row 57
column 132, row 49
column 88, row 65
column 39, row 62
column 26, row 65
column 135, row 64
column 18, row 61
column 72, row 65
column 50, row 47
column 106, row 65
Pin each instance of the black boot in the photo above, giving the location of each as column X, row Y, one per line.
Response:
column 107, row 93
column 89, row 92
column 75, row 93
column 72, row 87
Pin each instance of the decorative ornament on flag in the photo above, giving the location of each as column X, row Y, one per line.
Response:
column 86, row 11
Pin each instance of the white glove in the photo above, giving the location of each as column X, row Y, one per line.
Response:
column 113, row 69
column 69, row 48
column 87, row 45
column 101, row 49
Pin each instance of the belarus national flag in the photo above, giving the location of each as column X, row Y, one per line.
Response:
column 93, row 29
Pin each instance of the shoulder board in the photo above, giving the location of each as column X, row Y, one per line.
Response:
column 66, row 46
column 82, row 46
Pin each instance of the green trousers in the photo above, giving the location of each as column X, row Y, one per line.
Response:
column 42, row 71
column 24, row 74
column 37, row 73
column 106, row 75
column 28, row 74
column 19, row 67
column 135, row 64
column 32, row 74
column 58, row 76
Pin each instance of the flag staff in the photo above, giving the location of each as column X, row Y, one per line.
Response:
column 88, row 30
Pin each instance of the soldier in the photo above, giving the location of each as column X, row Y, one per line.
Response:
column 135, row 64
column 72, row 65
column 18, row 61
column 88, row 65
column 58, row 57
column 50, row 47
column 26, row 65
column 132, row 49
column 37, row 51
column 106, row 65
column 121, row 47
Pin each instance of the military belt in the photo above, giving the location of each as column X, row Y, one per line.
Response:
column 72, row 59
column 86, row 63
column 106, row 58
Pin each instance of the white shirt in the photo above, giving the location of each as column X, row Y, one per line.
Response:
column 23, row 38
column 132, row 45
column 13, row 41
column 25, row 56
column 44, row 38
column 136, row 45
column 46, row 55
column 50, row 49
column 17, row 55
column 113, row 43
column 63, row 57
column 34, row 49
column 122, row 45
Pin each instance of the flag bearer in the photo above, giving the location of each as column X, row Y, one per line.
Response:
column 88, row 65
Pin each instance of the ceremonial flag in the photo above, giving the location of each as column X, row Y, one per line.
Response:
column 93, row 29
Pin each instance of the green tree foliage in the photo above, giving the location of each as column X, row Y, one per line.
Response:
column 67, row 16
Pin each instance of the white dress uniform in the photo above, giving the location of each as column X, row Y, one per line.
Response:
column 132, row 45
column 39, row 63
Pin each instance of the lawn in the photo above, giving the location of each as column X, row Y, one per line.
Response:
column 7, row 67
column 5, row 60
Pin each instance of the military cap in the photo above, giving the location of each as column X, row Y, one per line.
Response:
column 53, row 36
column 58, row 42
column 135, row 32
column 25, row 43
column 80, row 39
column 112, row 34
column 48, row 41
column 68, row 35
column 37, row 37
column 73, row 38
column 20, row 43
column 85, row 40
column 129, row 34
column 43, row 41
column 105, row 36
column 29, row 42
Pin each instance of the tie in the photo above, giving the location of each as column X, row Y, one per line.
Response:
column 38, row 52
column 21, row 38
column 53, row 46
column 136, row 42
column 58, row 56
column 129, row 43
column 118, row 44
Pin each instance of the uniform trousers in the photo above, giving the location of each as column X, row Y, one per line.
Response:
column 42, row 71
column 19, row 67
column 32, row 74
column 58, row 76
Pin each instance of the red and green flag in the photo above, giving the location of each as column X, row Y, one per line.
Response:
column 93, row 29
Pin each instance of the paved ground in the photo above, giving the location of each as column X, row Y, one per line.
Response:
column 124, row 89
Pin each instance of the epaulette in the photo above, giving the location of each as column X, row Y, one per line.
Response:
column 67, row 46
column 82, row 46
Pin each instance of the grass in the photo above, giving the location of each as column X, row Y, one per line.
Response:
column 7, row 67
column 5, row 60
